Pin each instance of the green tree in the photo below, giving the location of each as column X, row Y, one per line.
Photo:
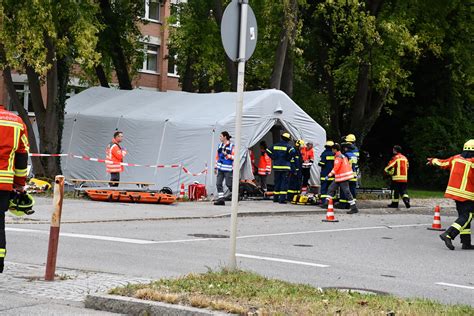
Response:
column 44, row 39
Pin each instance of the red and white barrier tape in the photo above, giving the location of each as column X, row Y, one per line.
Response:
column 122, row 163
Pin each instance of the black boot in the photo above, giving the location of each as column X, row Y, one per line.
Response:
column 447, row 240
column 1, row 265
column 353, row 210
column 220, row 201
column 466, row 242
column 393, row 205
column 406, row 200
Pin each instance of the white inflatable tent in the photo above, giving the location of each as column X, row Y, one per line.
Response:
column 168, row 128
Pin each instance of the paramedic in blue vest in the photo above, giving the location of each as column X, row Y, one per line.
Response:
column 224, row 163
column 326, row 163
column 351, row 152
column 296, row 173
column 281, row 154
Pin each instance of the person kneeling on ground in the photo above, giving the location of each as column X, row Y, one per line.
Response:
column 342, row 173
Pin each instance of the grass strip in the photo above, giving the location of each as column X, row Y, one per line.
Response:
column 247, row 293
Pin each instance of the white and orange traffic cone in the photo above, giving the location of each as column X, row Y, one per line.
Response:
column 330, row 213
column 436, row 220
column 181, row 192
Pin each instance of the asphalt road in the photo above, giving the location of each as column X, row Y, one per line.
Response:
column 392, row 253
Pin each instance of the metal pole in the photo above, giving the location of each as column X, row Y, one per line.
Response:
column 54, row 230
column 238, row 127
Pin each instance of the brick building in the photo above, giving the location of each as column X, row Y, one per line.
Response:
column 158, row 71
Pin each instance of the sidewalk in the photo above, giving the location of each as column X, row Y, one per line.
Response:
column 83, row 210
column 23, row 290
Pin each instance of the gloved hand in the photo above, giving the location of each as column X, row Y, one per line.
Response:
column 326, row 178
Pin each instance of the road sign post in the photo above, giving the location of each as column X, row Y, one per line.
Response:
column 239, row 14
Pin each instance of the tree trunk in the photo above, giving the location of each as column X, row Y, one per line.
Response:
column 360, row 102
column 230, row 66
column 287, row 75
column 99, row 71
column 280, row 56
column 7, row 76
column 117, row 53
column 188, row 76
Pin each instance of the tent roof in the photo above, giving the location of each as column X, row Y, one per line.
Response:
column 172, row 105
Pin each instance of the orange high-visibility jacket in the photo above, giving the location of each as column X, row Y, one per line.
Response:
column 307, row 156
column 264, row 164
column 342, row 168
column 461, row 180
column 114, row 156
column 14, row 149
column 398, row 168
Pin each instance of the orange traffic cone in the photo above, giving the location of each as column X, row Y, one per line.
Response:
column 330, row 213
column 436, row 220
column 181, row 192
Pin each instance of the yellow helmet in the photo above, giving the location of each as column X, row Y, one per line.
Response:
column 350, row 138
column 469, row 145
column 329, row 143
column 286, row 136
column 21, row 204
column 299, row 143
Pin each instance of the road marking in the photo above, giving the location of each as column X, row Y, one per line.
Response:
column 456, row 285
column 331, row 230
column 83, row 236
column 148, row 242
column 303, row 263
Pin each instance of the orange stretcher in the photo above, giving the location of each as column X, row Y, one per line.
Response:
column 130, row 196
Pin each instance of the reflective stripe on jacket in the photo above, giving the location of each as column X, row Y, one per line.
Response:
column 14, row 149
column 281, row 154
column 114, row 156
column 264, row 164
column 225, row 156
column 461, row 179
column 398, row 168
column 342, row 170
column 326, row 163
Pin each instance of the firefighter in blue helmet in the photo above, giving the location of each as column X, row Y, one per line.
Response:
column 326, row 163
column 281, row 153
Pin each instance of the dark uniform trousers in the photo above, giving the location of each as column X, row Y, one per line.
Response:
column 462, row 225
column 281, row 186
column 398, row 189
column 4, row 201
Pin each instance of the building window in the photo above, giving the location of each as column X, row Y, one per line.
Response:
column 150, row 62
column 152, row 10
column 172, row 65
column 23, row 93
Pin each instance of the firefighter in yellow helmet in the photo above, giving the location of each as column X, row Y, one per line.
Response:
column 326, row 163
column 461, row 190
column 281, row 153
column 296, row 173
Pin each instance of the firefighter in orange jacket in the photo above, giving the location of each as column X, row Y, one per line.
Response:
column 307, row 154
column 397, row 168
column 264, row 166
column 342, row 172
column 14, row 148
column 114, row 157
column 461, row 190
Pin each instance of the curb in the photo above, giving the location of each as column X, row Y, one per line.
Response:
column 133, row 306
column 416, row 210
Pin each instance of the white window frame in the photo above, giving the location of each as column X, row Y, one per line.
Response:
column 26, row 96
column 175, row 73
column 147, row 11
column 146, row 52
